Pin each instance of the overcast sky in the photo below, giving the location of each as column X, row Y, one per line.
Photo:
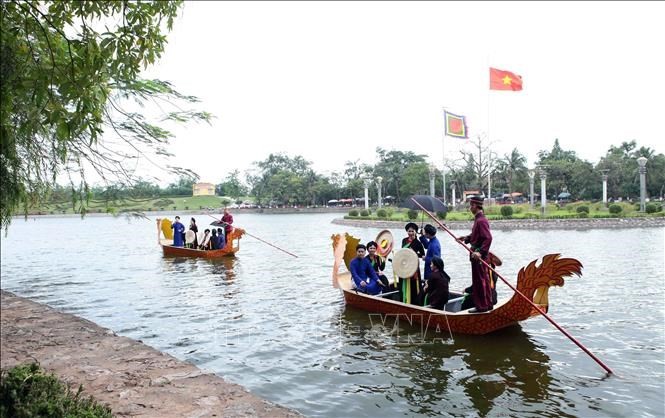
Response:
column 331, row 81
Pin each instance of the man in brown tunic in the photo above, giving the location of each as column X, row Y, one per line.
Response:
column 480, row 241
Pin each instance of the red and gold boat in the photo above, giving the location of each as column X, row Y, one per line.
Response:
column 165, row 240
column 533, row 281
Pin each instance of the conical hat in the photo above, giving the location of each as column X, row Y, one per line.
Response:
column 189, row 236
column 384, row 242
column 405, row 262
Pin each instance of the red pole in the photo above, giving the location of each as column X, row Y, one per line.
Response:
column 520, row 293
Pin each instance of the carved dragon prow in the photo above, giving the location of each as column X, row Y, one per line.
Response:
column 344, row 249
column 534, row 281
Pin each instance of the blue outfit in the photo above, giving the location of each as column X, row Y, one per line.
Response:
column 433, row 247
column 178, row 234
column 361, row 270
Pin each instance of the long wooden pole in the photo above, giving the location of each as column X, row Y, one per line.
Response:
column 519, row 293
column 255, row 237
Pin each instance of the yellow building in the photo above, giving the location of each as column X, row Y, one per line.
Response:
column 203, row 189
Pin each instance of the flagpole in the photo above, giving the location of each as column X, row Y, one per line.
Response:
column 489, row 142
column 443, row 154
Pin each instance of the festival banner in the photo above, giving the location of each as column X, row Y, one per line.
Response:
column 455, row 125
column 504, row 80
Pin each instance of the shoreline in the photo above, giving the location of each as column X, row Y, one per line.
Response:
column 528, row 224
column 132, row 378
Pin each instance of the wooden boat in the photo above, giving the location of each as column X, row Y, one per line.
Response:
column 165, row 240
column 533, row 281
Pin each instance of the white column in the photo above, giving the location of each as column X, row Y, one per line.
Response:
column 642, row 162
column 532, row 174
column 452, row 187
column 379, row 179
column 366, row 182
column 605, row 190
column 432, row 172
column 543, row 191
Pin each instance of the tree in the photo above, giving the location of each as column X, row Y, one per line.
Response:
column 568, row 173
column 478, row 161
column 70, row 93
column 392, row 166
column 510, row 166
column 232, row 186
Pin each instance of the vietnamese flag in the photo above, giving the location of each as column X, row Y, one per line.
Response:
column 504, row 80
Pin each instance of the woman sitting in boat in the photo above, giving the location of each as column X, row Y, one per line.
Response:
column 436, row 284
column 205, row 242
column 193, row 227
column 364, row 277
column 411, row 287
column 214, row 241
column 378, row 263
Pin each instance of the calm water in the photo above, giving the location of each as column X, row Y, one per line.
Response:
column 274, row 324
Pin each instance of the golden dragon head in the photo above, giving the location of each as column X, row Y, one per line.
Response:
column 537, row 280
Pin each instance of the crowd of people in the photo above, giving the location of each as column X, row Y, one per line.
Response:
column 432, row 288
column 212, row 239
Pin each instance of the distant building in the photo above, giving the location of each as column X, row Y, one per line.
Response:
column 203, row 189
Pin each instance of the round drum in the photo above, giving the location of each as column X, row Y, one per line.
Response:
column 384, row 242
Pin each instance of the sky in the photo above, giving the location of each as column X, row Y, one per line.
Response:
column 332, row 81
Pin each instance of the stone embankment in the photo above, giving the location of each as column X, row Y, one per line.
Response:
column 514, row 224
column 131, row 378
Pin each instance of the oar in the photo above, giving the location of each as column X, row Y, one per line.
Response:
column 255, row 237
column 520, row 293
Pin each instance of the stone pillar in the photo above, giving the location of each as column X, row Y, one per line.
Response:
column 543, row 191
column 642, row 162
column 453, row 186
column 367, row 182
column 532, row 174
column 604, row 176
column 379, row 179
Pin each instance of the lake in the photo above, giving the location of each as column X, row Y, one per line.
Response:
column 274, row 324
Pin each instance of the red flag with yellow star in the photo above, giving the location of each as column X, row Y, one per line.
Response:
column 504, row 80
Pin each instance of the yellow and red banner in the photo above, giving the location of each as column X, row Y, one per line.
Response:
column 455, row 125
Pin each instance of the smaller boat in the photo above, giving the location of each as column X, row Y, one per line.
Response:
column 165, row 240
column 533, row 281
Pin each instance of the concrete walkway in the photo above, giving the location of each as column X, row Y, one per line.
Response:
column 130, row 377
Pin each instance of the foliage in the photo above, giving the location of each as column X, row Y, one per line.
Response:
column 353, row 212
column 441, row 215
column 653, row 208
column 382, row 213
column 364, row 213
column 615, row 209
column 412, row 214
column 507, row 211
column 582, row 209
column 72, row 97
column 232, row 186
column 395, row 165
column 163, row 203
column 582, row 214
column 27, row 391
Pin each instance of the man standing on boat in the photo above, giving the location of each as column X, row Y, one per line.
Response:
column 178, row 232
column 364, row 277
column 228, row 220
column 480, row 241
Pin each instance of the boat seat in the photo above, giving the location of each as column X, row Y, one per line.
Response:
column 454, row 305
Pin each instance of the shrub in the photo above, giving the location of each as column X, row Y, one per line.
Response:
column 412, row 214
column 27, row 391
column 583, row 209
column 582, row 214
column 441, row 215
column 615, row 209
column 507, row 211
column 653, row 208
column 364, row 213
column 381, row 213
column 353, row 212
column 163, row 202
column 389, row 212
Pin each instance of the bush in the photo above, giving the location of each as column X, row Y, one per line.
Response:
column 441, row 215
column 653, row 208
column 364, row 213
column 353, row 212
column 27, row 391
column 163, row 202
column 582, row 215
column 389, row 212
column 507, row 211
column 412, row 214
column 381, row 213
column 583, row 209
column 615, row 209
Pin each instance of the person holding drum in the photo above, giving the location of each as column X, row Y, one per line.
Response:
column 412, row 289
column 364, row 277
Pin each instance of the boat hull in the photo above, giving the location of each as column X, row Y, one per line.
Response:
column 171, row 251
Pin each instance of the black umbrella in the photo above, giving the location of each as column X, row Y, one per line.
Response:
column 430, row 203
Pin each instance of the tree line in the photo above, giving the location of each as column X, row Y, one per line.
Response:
column 282, row 180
